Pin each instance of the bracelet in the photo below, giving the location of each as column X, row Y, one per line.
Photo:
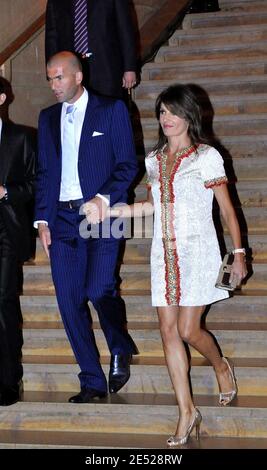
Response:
column 239, row 250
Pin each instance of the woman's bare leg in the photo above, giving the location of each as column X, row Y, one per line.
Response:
column 189, row 326
column 178, row 367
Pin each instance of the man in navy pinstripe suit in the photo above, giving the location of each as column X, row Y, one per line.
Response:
column 86, row 154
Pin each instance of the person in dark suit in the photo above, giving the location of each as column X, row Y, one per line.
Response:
column 104, row 41
column 17, row 155
column 86, row 158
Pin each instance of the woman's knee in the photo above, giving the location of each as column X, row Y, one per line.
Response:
column 168, row 332
column 188, row 333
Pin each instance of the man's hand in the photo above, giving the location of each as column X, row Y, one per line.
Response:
column 129, row 79
column 2, row 192
column 45, row 237
column 95, row 210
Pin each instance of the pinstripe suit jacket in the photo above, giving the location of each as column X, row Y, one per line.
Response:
column 106, row 163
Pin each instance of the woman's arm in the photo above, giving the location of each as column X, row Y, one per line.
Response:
column 138, row 209
column 239, row 270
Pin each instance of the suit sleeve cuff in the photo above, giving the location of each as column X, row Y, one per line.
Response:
column 36, row 222
column 104, row 198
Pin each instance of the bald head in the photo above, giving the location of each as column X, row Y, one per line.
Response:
column 64, row 74
column 65, row 59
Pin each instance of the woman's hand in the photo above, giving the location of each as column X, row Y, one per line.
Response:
column 238, row 270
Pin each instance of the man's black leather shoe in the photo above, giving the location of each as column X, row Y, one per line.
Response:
column 86, row 395
column 9, row 396
column 119, row 372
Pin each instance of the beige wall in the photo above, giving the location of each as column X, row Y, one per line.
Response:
column 29, row 84
column 16, row 16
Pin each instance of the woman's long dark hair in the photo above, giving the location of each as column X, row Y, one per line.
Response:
column 182, row 100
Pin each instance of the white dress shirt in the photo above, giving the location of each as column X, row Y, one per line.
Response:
column 70, row 188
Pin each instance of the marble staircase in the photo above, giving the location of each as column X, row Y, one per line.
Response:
column 225, row 53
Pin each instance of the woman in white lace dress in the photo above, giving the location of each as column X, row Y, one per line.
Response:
column 184, row 173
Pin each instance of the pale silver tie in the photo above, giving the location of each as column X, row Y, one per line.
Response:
column 68, row 148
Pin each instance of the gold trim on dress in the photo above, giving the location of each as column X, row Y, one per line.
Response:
column 216, row 182
column 172, row 270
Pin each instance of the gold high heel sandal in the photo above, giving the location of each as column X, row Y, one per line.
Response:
column 178, row 441
column 226, row 397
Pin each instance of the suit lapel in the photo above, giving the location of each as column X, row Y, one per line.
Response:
column 87, row 128
column 88, row 123
column 55, row 128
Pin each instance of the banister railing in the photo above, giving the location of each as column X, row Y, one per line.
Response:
column 161, row 26
column 23, row 38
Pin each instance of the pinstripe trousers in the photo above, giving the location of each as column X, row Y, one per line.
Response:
column 82, row 270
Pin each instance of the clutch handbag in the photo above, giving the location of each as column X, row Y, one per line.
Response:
column 223, row 280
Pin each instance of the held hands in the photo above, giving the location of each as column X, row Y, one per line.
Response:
column 239, row 270
column 95, row 210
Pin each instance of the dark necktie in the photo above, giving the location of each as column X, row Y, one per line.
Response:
column 80, row 27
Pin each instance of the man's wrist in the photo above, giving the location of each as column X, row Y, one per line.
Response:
column 4, row 194
column 104, row 198
column 38, row 223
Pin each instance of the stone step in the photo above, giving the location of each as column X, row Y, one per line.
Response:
column 148, row 378
column 244, row 193
column 211, row 52
column 237, row 34
column 227, row 318
column 222, row 105
column 248, row 152
column 252, row 220
column 228, row 5
column 249, row 167
column 189, row 73
column 224, row 19
column 155, row 415
column 138, row 252
column 231, row 85
column 185, row 71
column 16, row 439
column 239, row 308
column 213, row 86
column 38, row 279
column 238, row 124
column 47, row 343
column 138, row 249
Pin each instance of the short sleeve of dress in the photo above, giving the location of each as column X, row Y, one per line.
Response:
column 149, row 169
column 212, row 168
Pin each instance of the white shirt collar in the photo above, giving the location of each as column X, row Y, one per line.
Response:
column 80, row 104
